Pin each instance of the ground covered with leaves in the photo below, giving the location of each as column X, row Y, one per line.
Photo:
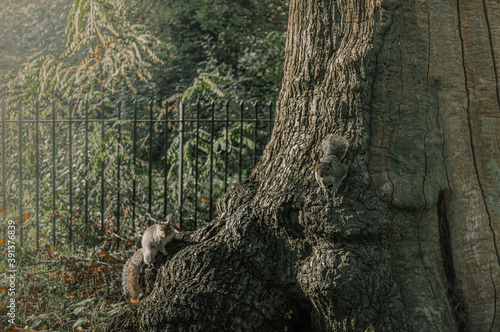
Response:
column 61, row 291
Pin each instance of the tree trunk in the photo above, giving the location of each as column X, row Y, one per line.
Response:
column 410, row 241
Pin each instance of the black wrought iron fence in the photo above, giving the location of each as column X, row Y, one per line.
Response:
column 82, row 170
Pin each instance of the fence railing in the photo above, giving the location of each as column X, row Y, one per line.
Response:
column 80, row 170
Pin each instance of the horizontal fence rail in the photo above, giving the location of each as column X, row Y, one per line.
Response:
column 82, row 172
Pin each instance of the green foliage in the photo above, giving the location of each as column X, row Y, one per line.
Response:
column 207, row 83
column 61, row 290
column 36, row 78
column 111, row 60
column 242, row 41
column 116, row 53
column 91, row 174
column 31, row 25
column 115, row 48
column 208, row 160
column 112, row 56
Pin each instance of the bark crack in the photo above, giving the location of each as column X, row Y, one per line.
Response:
column 454, row 293
column 402, row 80
column 492, row 51
column 473, row 150
column 425, row 171
column 494, row 302
column 379, row 33
column 443, row 145
column 400, row 100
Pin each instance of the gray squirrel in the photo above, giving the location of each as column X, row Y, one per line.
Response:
column 330, row 172
column 154, row 239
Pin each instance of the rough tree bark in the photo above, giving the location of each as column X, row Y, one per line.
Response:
column 411, row 241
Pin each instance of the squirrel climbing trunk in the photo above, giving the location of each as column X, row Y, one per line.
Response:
column 330, row 171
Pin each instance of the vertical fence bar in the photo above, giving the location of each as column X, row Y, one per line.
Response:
column 212, row 120
column 227, row 146
column 165, row 163
column 134, row 164
column 21, row 194
column 37, row 174
column 54, row 171
column 86, row 171
column 242, row 107
column 70, row 187
column 181, row 157
column 150, row 171
column 102, row 171
column 118, row 171
column 270, row 123
column 256, row 106
column 196, row 176
column 4, row 155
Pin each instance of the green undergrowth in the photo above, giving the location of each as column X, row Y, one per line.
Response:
column 58, row 289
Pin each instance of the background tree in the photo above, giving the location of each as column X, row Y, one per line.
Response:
column 410, row 242
column 241, row 41
column 28, row 26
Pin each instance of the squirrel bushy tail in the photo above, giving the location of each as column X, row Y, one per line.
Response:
column 335, row 146
column 130, row 275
